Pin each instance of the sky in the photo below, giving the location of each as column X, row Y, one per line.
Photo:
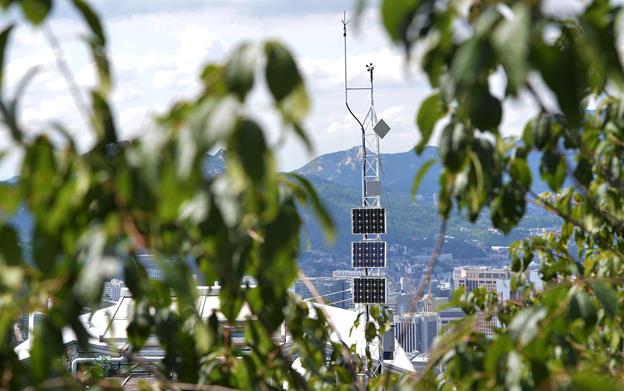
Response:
column 157, row 49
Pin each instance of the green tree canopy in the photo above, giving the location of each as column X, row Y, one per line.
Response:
column 569, row 336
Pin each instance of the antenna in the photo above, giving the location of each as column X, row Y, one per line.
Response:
column 370, row 219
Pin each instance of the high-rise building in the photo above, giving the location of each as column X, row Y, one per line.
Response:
column 406, row 284
column 415, row 332
column 492, row 279
column 112, row 289
column 448, row 316
column 153, row 270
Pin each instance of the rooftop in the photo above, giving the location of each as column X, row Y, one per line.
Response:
column 107, row 330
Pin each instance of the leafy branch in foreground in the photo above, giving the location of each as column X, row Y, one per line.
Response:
column 568, row 336
column 96, row 213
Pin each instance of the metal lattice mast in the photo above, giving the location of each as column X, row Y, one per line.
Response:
column 371, row 245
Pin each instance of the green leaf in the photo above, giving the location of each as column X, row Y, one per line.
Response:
column 397, row 16
column 46, row 249
column 10, row 252
column 559, row 67
column 484, row 109
column 92, row 19
column 515, row 367
column 281, row 72
column 135, row 278
column 295, row 106
column 553, row 169
column 445, row 202
column 301, row 133
column 496, row 355
column 285, row 83
column 607, row 298
column 583, row 172
column 277, row 268
column 102, row 67
column 103, row 120
column 598, row 45
column 430, row 112
column 138, row 332
column 371, row 331
column 248, row 146
column 240, row 69
column 472, row 62
column 420, row 175
column 213, row 80
column 520, row 171
column 545, row 130
column 591, row 381
column 10, row 198
column 511, row 42
column 521, row 255
column 581, row 307
column 47, row 347
column 38, row 173
column 435, row 59
column 36, row 10
column 4, row 39
column 525, row 325
column 508, row 207
column 374, row 312
column 322, row 214
column 10, row 111
column 453, row 144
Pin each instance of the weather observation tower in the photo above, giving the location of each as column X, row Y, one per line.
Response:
column 369, row 219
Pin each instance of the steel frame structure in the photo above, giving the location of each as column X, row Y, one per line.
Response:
column 371, row 164
column 371, row 168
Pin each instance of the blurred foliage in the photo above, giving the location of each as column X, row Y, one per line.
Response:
column 96, row 213
column 568, row 336
column 100, row 368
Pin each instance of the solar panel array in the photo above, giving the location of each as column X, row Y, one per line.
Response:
column 369, row 290
column 368, row 221
column 368, row 254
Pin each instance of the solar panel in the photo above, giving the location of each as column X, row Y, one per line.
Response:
column 368, row 254
column 368, row 221
column 369, row 290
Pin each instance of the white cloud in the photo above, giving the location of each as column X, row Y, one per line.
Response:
column 394, row 113
column 340, row 127
column 158, row 48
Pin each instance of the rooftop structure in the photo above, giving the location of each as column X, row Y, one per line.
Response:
column 448, row 316
column 416, row 332
column 107, row 333
column 336, row 292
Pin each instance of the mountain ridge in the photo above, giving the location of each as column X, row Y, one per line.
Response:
column 343, row 167
column 337, row 179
